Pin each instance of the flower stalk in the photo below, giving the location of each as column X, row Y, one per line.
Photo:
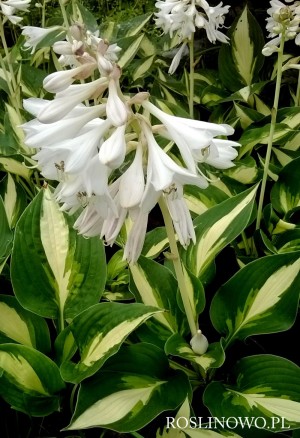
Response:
column 178, row 267
column 272, row 130
column 192, row 77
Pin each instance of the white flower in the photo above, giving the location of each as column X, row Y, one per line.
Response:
column 194, row 138
column 176, row 60
column 112, row 151
column 180, row 215
column 9, row 7
column 116, row 109
column 184, row 16
column 60, row 80
column 66, row 100
column 132, row 182
column 40, row 135
column 34, row 35
column 136, row 237
column 283, row 22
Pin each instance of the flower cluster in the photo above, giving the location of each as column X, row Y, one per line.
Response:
column 283, row 22
column 104, row 152
column 182, row 17
column 10, row 7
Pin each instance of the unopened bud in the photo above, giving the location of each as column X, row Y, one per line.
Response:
column 283, row 15
column 199, row 343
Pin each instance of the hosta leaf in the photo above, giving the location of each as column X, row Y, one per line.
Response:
column 261, row 298
column 14, row 164
column 266, row 386
column 244, row 171
column 99, row 333
column 14, row 199
column 199, row 201
column 285, row 194
column 134, row 388
column 130, row 46
column 216, row 228
column 155, row 242
column 133, row 26
column 253, row 136
column 55, row 271
column 5, row 233
column 29, row 380
column 241, row 60
column 154, row 285
column 213, row 358
column 19, row 325
column 141, row 67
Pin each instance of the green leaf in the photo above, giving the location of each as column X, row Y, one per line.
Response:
column 99, row 333
column 154, row 285
column 14, row 199
column 261, row 298
column 213, row 358
column 141, row 67
column 245, row 171
column 133, row 26
column 285, row 193
column 19, row 325
column 267, row 389
column 132, row 390
column 199, row 201
column 55, row 271
column 29, row 380
column 5, row 233
column 241, row 60
column 130, row 46
column 155, row 242
column 216, row 228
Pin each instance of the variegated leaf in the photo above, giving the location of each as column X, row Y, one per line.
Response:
column 55, row 272
column 19, row 325
column 154, row 285
column 216, row 228
column 29, row 381
column 285, row 194
column 213, row 358
column 5, row 234
column 266, row 394
column 130, row 46
column 261, row 298
column 99, row 333
column 241, row 60
column 14, row 199
column 135, row 386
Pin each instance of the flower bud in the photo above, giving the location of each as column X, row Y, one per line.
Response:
column 199, row 343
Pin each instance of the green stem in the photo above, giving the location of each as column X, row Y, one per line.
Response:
column 15, row 94
column 61, row 320
column 64, row 14
column 178, row 267
column 191, row 77
column 272, row 130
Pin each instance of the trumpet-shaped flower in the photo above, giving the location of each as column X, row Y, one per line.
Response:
column 66, row 100
column 113, row 150
column 9, row 7
column 34, row 35
column 195, row 138
column 116, row 109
